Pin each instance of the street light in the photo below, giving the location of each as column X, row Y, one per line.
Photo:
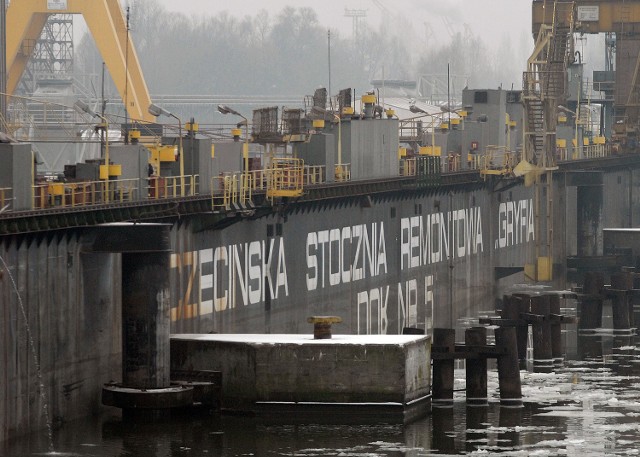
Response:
column 82, row 107
column 156, row 111
column 417, row 110
column 224, row 109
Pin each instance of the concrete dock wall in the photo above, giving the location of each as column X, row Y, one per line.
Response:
column 297, row 368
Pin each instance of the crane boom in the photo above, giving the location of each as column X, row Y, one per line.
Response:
column 106, row 23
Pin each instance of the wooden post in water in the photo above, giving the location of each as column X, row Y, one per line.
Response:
column 591, row 302
column 476, row 368
column 508, row 372
column 542, row 355
column 621, row 285
column 444, row 339
column 512, row 306
column 556, row 330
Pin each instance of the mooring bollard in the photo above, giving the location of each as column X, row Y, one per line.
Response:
column 508, row 371
column 476, row 368
column 444, row 340
column 322, row 326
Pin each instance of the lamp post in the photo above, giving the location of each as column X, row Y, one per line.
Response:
column 418, row 110
column 82, row 107
column 224, row 109
column 340, row 176
column 155, row 110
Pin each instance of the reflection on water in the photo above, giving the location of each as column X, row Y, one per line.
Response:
column 590, row 407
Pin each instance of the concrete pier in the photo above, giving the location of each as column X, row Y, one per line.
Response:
column 376, row 375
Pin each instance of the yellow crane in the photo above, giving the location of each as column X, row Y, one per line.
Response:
column 107, row 25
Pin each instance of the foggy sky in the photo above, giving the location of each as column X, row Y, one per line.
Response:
column 491, row 20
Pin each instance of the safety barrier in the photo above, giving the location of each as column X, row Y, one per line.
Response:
column 6, row 199
column 497, row 161
column 86, row 193
column 286, row 178
column 161, row 187
column 314, row 174
column 343, row 172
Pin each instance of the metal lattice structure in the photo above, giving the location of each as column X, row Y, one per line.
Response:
column 544, row 86
column 51, row 54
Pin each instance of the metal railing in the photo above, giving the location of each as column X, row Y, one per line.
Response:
column 85, row 193
column 343, row 172
column 497, row 161
column 285, row 178
column 161, row 187
column 6, row 199
column 314, row 174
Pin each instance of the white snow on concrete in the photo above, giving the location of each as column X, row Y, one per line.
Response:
column 395, row 340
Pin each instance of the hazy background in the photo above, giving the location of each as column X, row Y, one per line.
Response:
column 279, row 48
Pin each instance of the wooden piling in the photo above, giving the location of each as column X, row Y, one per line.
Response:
column 556, row 330
column 514, row 306
column 591, row 302
column 508, row 372
column 444, row 340
column 542, row 354
column 476, row 368
column 621, row 285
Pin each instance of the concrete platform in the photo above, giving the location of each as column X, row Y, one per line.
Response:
column 386, row 377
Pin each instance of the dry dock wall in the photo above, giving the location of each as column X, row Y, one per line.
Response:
column 72, row 298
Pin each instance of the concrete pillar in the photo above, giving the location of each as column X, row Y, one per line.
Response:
column 589, row 223
column 145, row 322
column 145, row 252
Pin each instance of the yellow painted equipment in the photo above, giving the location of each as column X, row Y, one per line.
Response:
column 318, row 123
column 368, row 98
column 114, row 170
column 26, row 19
column 402, row 152
column 561, row 143
column 430, row 151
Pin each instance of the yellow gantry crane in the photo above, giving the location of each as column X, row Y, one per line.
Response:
column 621, row 17
column 544, row 89
column 106, row 22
